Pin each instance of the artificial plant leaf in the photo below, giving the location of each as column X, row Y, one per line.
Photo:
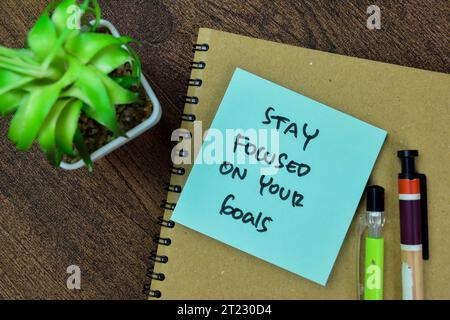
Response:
column 35, row 85
column 82, row 149
column 66, row 79
column 9, row 101
column 22, row 105
column 136, row 62
column 29, row 117
column 116, row 93
column 24, row 55
column 87, row 45
column 47, row 133
column 126, row 82
column 89, row 88
column 98, row 14
column 110, row 58
column 42, row 37
column 10, row 80
column 54, row 157
column 67, row 125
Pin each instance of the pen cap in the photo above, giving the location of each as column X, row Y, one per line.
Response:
column 407, row 159
column 375, row 199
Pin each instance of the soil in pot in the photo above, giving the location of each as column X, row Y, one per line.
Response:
column 128, row 116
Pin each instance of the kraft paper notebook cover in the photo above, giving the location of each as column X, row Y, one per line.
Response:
column 411, row 105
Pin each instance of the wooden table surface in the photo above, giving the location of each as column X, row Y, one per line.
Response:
column 104, row 221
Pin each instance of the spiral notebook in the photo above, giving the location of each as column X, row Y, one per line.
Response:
column 411, row 104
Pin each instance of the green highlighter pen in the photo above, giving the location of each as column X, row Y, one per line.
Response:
column 374, row 257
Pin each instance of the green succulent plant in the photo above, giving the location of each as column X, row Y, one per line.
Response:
column 65, row 71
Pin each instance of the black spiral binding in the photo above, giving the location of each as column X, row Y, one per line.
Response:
column 200, row 65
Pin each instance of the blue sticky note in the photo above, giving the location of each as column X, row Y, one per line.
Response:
column 279, row 176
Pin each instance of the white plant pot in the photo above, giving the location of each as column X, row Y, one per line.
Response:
column 133, row 133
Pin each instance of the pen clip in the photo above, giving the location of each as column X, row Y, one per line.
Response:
column 424, row 216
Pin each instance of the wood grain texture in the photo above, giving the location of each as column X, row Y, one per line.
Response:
column 104, row 221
